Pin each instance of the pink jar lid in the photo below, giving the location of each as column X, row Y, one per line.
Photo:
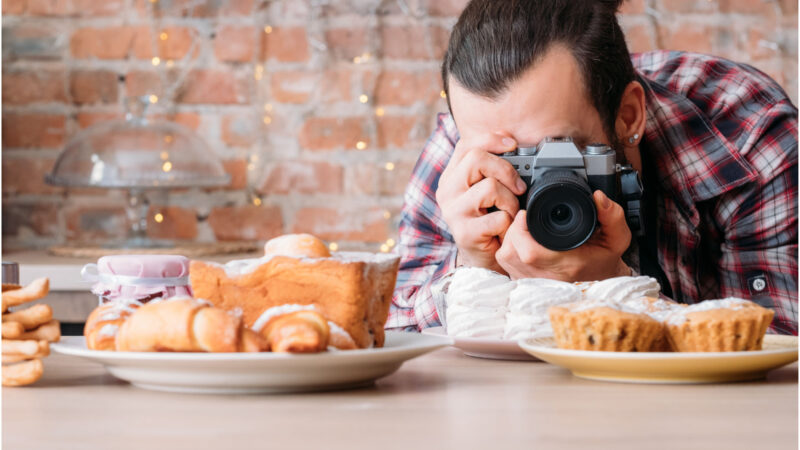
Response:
column 139, row 277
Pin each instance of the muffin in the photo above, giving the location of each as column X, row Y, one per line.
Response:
column 726, row 325
column 605, row 326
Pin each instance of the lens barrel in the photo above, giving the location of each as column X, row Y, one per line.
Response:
column 560, row 210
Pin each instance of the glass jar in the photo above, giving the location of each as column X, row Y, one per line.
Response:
column 138, row 279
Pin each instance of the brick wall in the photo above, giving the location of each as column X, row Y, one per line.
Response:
column 318, row 109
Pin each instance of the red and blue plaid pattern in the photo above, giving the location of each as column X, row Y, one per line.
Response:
column 723, row 137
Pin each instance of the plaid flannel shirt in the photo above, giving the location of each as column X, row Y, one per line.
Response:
column 723, row 137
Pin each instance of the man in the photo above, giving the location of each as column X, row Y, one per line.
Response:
column 715, row 143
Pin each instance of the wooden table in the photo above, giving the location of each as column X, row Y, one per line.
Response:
column 443, row 400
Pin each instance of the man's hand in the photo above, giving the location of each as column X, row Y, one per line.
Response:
column 599, row 258
column 474, row 180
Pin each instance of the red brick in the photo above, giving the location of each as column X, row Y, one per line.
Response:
column 406, row 88
column 687, row 6
column 285, row 44
column 374, row 179
column 26, row 176
column 687, row 37
column 632, row 7
column 296, row 86
column 14, row 7
column 237, row 8
column 138, row 82
column 347, row 43
column 440, row 38
column 41, row 218
column 87, row 119
column 178, row 43
column 342, row 224
column 213, row 87
column 34, row 41
column 33, row 130
column 446, row 8
column 237, row 169
column 90, row 223
column 325, row 133
column 235, row 44
column 40, row 86
column 405, row 42
column 302, row 177
column 111, row 43
column 744, row 6
column 195, row 8
column 639, row 38
column 89, row 87
column 396, row 131
column 246, row 223
column 239, row 130
column 789, row 7
column 177, row 223
column 75, row 7
column 187, row 119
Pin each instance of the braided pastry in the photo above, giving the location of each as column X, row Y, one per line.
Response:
column 185, row 325
column 103, row 324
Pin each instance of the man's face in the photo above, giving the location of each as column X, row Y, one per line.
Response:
column 549, row 99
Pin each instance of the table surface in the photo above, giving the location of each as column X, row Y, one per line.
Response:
column 442, row 400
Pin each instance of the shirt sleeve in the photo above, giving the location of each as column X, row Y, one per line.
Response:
column 759, row 253
column 426, row 248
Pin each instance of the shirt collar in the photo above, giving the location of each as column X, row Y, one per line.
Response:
column 695, row 162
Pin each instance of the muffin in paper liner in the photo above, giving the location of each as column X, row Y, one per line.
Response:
column 726, row 325
column 602, row 328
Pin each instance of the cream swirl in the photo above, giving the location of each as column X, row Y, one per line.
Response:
column 528, row 305
column 678, row 316
column 477, row 301
column 619, row 289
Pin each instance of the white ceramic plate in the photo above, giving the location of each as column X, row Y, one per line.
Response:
column 667, row 367
column 244, row 373
column 485, row 348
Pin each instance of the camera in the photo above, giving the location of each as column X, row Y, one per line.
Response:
column 561, row 178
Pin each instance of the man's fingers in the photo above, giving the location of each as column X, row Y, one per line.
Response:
column 611, row 218
column 492, row 143
column 490, row 192
column 528, row 250
column 492, row 224
column 478, row 165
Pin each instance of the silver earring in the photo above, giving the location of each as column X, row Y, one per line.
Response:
column 633, row 138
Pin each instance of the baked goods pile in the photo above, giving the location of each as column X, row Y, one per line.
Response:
column 27, row 332
column 617, row 314
column 298, row 298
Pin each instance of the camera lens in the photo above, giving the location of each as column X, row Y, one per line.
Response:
column 560, row 210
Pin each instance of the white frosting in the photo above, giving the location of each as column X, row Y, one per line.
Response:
column 621, row 288
column 679, row 315
column 528, row 305
column 477, row 303
column 239, row 267
column 280, row 310
column 108, row 329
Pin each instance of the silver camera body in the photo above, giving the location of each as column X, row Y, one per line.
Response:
column 561, row 178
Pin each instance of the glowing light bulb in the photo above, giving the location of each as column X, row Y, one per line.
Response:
column 390, row 242
column 387, row 214
column 268, row 107
column 153, row 98
column 333, row 246
column 167, row 166
column 357, row 60
column 164, row 156
column 268, row 29
column 267, row 120
column 443, row 94
column 379, row 112
column 389, row 166
column 158, row 217
column 361, row 145
column 164, row 36
column 257, row 201
column 384, row 248
column 363, row 98
column 156, row 60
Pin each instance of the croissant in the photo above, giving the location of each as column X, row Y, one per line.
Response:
column 298, row 332
column 185, row 325
column 103, row 324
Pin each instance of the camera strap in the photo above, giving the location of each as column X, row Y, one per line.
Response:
column 632, row 190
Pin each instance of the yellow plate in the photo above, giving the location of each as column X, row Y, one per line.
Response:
column 663, row 367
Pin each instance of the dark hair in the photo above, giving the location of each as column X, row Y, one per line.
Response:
column 495, row 41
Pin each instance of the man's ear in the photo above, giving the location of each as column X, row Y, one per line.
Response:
column 631, row 117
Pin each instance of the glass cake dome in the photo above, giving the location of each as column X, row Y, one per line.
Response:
column 137, row 154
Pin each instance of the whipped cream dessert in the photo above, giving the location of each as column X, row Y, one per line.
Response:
column 529, row 302
column 477, row 302
column 620, row 289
